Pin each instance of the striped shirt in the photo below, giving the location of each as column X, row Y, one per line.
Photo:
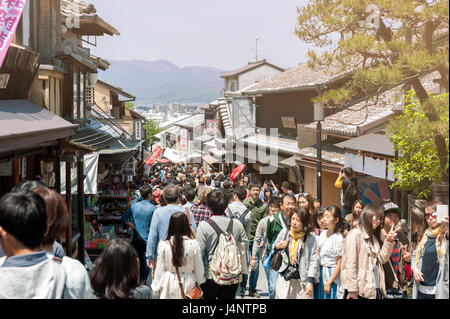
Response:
column 395, row 257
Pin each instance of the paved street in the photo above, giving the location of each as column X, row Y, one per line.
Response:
column 261, row 286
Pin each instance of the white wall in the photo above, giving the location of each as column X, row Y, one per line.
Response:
column 258, row 74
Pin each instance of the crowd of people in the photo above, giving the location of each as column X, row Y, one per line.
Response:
column 198, row 233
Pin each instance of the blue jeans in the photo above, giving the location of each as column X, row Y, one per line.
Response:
column 253, row 273
column 272, row 277
column 425, row 296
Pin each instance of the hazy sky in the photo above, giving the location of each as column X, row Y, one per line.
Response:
column 201, row 32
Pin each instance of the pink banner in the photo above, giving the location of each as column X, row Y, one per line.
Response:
column 10, row 12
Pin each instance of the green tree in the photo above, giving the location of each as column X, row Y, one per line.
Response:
column 151, row 128
column 129, row 105
column 381, row 43
column 412, row 134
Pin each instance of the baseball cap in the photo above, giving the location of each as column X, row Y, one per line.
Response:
column 390, row 206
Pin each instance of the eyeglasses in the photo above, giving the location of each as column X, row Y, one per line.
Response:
column 304, row 194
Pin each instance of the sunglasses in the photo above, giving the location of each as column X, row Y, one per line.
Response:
column 304, row 194
column 432, row 215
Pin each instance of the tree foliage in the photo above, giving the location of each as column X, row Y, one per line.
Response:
column 129, row 105
column 152, row 128
column 412, row 134
column 380, row 43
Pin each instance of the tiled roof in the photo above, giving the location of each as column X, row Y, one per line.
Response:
column 88, row 13
column 356, row 119
column 330, row 153
column 250, row 66
column 281, row 144
column 298, row 78
column 192, row 121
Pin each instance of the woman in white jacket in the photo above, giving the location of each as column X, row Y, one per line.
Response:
column 186, row 257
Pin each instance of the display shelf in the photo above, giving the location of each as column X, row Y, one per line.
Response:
column 113, row 197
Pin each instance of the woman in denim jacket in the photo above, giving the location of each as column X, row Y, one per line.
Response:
column 431, row 277
column 299, row 267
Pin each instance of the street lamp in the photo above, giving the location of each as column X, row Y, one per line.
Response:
column 319, row 115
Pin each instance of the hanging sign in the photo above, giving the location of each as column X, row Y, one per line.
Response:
column 10, row 12
column 154, row 156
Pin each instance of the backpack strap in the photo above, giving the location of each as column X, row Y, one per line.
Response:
column 230, row 227
column 215, row 226
column 241, row 219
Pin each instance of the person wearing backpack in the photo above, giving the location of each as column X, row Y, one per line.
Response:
column 219, row 238
column 349, row 189
column 239, row 211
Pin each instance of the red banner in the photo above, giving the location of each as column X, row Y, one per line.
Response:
column 236, row 172
column 151, row 159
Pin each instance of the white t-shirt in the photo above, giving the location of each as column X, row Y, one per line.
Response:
column 330, row 248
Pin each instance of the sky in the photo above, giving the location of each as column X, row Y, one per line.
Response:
column 210, row 33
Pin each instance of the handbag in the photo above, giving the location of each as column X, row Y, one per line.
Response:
column 195, row 293
column 188, row 214
column 277, row 257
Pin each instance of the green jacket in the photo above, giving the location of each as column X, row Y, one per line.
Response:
column 274, row 227
column 259, row 211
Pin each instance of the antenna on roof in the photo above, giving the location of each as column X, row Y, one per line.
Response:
column 256, row 47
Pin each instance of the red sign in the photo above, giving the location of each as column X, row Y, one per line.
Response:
column 153, row 156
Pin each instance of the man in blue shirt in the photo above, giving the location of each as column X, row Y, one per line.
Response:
column 160, row 221
column 139, row 217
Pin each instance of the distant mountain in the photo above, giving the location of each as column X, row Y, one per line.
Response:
column 163, row 81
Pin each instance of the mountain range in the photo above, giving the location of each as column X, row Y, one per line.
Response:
column 163, row 82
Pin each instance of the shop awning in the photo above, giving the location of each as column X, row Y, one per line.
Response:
column 172, row 155
column 288, row 162
column 121, row 146
column 25, row 124
column 210, row 160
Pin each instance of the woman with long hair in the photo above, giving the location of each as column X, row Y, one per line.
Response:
column 116, row 273
column 353, row 218
column 305, row 200
column 299, row 267
column 430, row 259
column 330, row 245
column 362, row 273
column 177, row 251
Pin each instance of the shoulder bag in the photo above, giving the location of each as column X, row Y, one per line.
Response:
column 188, row 214
column 195, row 293
column 277, row 257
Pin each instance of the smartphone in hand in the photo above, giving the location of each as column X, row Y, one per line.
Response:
column 441, row 212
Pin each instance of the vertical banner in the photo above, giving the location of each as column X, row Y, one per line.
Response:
column 153, row 156
column 10, row 12
column 184, row 136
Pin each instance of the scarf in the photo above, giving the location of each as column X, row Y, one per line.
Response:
column 432, row 233
column 293, row 246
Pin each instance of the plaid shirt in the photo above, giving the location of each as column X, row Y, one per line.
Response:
column 200, row 212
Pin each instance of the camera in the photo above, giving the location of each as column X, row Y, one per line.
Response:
column 290, row 272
